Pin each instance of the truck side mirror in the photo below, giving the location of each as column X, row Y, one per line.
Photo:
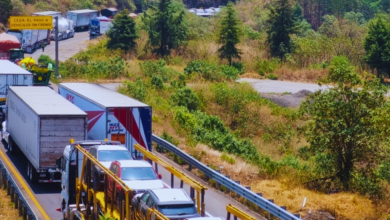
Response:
column 59, row 163
column 160, row 176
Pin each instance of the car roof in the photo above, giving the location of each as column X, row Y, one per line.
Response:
column 171, row 196
column 134, row 163
column 109, row 147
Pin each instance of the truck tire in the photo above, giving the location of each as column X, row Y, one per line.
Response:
column 33, row 174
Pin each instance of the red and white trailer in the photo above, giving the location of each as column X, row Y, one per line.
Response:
column 112, row 115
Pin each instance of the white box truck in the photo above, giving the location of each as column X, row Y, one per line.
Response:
column 112, row 115
column 31, row 39
column 81, row 18
column 65, row 26
column 12, row 75
column 40, row 124
column 48, row 13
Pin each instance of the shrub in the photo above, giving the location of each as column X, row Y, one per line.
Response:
column 239, row 66
column 186, row 97
column 267, row 66
column 228, row 159
column 210, row 71
column 157, row 82
column 272, row 76
column 153, row 68
column 45, row 60
column 229, row 72
column 136, row 89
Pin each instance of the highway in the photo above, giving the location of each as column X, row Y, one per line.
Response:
column 48, row 194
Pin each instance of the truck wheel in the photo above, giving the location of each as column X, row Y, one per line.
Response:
column 33, row 174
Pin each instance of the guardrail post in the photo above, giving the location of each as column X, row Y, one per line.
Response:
column 8, row 188
column 16, row 200
column 105, row 193
column 192, row 193
column 20, row 207
column 156, row 167
column 181, row 184
column 172, row 182
column 259, row 194
column 95, row 207
column 202, row 203
column 228, row 216
column 113, row 198
column 12, row 193
column 190, row 167
column 1, row 176
column 24, row 212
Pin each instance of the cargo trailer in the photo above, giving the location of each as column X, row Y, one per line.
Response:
column 109, row 12
column 31, row 40
column 40, row 124
column 48, row 13
column 112, row 115
column 12, row 75
column 81, row 18
column 99, row 26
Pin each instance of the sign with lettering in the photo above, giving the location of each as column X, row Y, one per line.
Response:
column 30, row 22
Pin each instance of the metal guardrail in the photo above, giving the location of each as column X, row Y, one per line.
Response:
column 20, row 202
column 228, row 183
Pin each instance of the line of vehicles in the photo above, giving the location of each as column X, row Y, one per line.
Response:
column 39, row 124
column 98, row 22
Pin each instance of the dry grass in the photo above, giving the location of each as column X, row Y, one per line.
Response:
column 301, row 75
column 7, row 210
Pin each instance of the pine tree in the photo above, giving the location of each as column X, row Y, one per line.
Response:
column 122, row 34
column 282, row 24
column 167, row 27
column 5, row 10
column 377, row 46
column 229, row 34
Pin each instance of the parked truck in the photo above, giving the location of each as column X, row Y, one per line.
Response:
column 10, row 48
column 65, row 29
column 31, row 40
column 81, row 18
column 40, row 123
column 111, row 115
column 12, row 75
column 99, row 26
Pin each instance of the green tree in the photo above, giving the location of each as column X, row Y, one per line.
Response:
column 229, row 34
column 347, row 126
column 122, row 34
column 377, row 46
column 186, row 97
column 282, row 24
column 5, row 10
column 167, row 26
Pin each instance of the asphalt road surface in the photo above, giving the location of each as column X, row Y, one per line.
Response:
column 66, row 48
column 274, row 86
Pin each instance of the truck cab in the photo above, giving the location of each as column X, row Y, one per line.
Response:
column 66, row 164
column 16, row 55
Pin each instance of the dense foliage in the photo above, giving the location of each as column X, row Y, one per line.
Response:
column 122, row 34
column 282, row 22
column 377, row 46
column 5, row 10
column 166, row 27
column 347, row 127
column 229, row 34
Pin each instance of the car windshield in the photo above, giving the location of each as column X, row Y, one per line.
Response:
column 188, row 209
column 112, row 155
column 138, row 173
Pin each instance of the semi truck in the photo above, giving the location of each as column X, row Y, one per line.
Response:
column 39, row 123
column 65, row 29
column 109, row 12
column 99, row 25
column 12, row 75
column 31, row 40
column 112, row 115
column 81, row 18
column 10, row 48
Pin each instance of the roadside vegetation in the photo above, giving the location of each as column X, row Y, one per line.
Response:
column 7, row 210
column 333, row 150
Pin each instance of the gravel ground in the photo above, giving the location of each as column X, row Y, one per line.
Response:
column 287, row 100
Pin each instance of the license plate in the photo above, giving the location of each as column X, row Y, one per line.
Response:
column 42, row 174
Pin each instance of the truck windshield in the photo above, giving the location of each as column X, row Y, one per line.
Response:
column 138, row 173
column 112, row 155
column 188, row 209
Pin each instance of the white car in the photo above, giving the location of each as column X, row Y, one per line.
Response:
column 106, row 154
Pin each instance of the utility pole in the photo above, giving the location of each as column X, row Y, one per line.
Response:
column 56, row 46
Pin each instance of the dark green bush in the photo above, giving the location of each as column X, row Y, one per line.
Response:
column 136, row 89
column 186, row 97
column 210, row 71
column 239, row 66
column 272, row 76
column 157, row 82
